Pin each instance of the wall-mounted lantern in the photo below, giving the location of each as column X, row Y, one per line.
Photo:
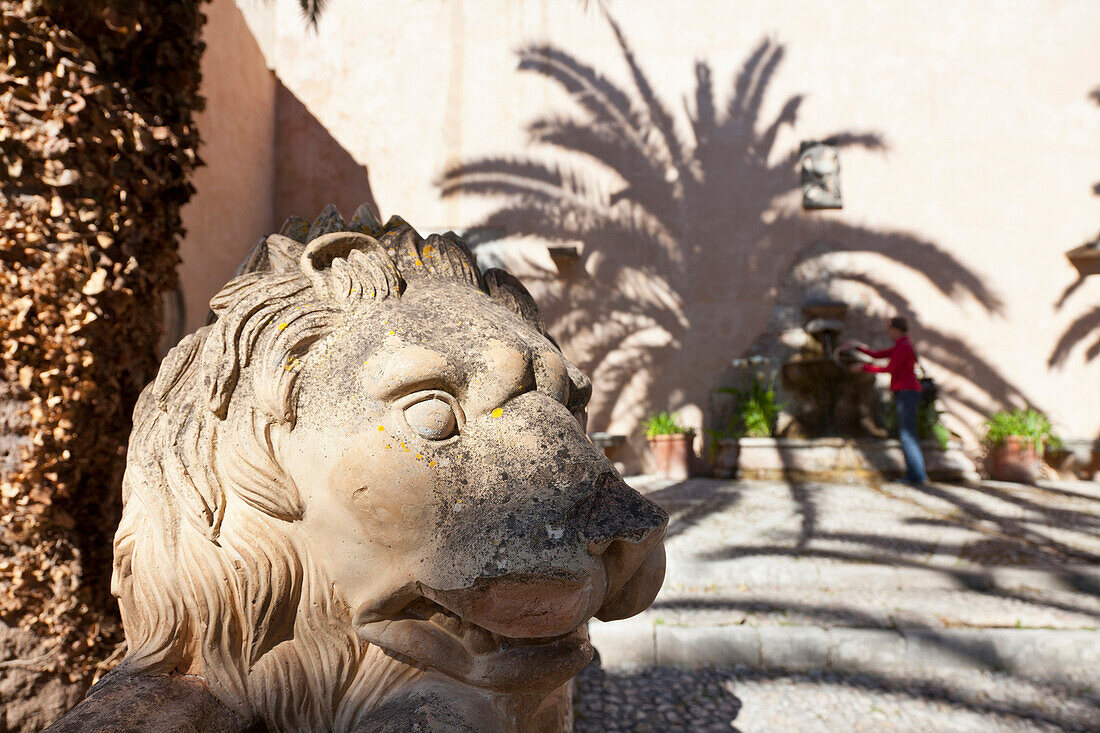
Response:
column 564, row 257
column 1086, row 258
column 820, row 164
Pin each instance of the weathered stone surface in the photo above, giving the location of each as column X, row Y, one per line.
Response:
column 363, row 499
column 765, row 458
column 820, row 164
column 32, row 694
column 123, row 703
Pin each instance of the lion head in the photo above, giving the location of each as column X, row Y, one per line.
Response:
column 369, row 477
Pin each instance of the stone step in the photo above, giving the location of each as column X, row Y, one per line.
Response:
column 1066, row 655
column 880, row 609
column 683, row 572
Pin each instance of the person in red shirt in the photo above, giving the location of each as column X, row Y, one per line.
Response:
column 901, row 366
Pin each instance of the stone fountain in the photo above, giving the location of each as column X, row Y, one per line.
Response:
column 823, row 397
column 832, row 424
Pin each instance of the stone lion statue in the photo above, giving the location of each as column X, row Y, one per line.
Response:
column 362, row 498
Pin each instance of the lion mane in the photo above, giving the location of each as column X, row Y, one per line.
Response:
column 208, row 576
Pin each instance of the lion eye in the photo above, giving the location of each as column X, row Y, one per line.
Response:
column 433, row 418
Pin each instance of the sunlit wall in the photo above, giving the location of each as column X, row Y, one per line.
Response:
column 974, row 150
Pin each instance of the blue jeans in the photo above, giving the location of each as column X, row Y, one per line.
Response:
column 907, row 401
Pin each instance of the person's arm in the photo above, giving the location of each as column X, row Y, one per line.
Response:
column 879, row 354
column 875, row 369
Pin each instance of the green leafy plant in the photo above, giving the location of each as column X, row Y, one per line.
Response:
column 1030, row 424
column 663, row 423
column 757, row 410
column 929, row 425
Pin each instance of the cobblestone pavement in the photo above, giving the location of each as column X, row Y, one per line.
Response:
column 937, row 525
column 868, row 555
column 753, row 701
column 853, row 555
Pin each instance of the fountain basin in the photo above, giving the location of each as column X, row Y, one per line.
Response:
column 839, row 459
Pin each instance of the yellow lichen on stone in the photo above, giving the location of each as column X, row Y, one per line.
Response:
column 497, row 412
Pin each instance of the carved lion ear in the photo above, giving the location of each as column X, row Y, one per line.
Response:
column 283, row 253
column 348, row 266
column 274, row 253
column 504, row 287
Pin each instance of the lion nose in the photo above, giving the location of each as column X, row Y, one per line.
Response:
column 615, row 514
column 624, row 529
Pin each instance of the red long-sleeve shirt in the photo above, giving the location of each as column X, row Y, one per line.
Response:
column 901, row 367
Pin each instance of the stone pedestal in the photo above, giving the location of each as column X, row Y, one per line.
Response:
column 831, row 458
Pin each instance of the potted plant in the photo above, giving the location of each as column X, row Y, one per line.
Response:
column 755, row 417
column 670, row 443
column 1016, row 439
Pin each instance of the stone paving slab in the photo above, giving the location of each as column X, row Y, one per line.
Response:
column 988, row 555
column 989, row 525
column 1071, row 656
column 852, row 577
column 798, row 606
column 872, row 608
column 685, row 571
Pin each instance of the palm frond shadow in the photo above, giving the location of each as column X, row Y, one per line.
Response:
column 1087, row 324
column 947, row 351
column 700, row 222
column 1031, row 538
column 1083, row 331
column 1078, row 332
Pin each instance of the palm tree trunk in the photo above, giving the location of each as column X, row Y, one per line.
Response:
column 97, row 143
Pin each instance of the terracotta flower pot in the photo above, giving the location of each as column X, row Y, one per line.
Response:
column 1015, row 460
column 672, row 454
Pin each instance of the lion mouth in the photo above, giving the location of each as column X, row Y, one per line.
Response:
column 426, row 634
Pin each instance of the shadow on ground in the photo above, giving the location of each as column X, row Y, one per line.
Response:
column 965, row 533
column 658, row 699
column 761, row 553
column 741, row 699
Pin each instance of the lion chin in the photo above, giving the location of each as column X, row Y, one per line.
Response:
column 363, row 498
column 431, row 636
column 510, row 635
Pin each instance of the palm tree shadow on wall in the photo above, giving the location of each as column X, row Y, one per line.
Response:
column 1084, row 327
column 689, row 246
column 1087, row 325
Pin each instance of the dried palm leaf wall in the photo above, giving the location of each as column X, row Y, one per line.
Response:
column 97, row 145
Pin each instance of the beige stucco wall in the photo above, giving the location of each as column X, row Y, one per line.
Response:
column 991, row 152
column 233, row 202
